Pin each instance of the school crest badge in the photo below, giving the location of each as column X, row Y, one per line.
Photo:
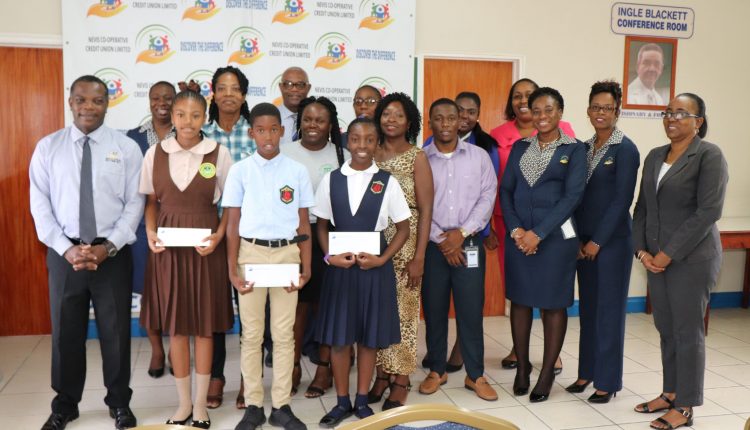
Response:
column 207, row 170
column 564, row 159
column 286, row 194
column 377, row 187
column 609, row 161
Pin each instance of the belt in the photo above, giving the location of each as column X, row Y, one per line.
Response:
column 277, row 243
column 77, row 241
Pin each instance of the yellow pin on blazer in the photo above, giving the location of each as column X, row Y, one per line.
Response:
column 609, row 161
column 564, row 159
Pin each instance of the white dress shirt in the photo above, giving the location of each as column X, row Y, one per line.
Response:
column 289, row 121
column 639, row 94
column 55, row 176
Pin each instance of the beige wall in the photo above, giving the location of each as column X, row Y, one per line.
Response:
column 569, row 45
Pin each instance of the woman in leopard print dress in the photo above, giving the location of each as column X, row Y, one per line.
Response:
column 398, row 121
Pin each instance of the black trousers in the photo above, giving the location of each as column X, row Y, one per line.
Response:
column 467, row 285
column 110, row 289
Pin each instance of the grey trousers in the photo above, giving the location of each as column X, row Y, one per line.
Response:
column 679, row 296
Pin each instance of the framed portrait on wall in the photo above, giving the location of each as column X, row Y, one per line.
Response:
column 649, row 75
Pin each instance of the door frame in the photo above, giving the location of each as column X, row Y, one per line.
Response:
column 518, row 66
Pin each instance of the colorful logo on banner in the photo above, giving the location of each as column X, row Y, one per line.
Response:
column 106, row 8
column 376, row 15
column 158, row 41
column 203, row 78
column 116, row 82
column 293, row 12
column 247, row 42
column 276, row 91
column 201, row 10
column 334, row 47
column 382, row 85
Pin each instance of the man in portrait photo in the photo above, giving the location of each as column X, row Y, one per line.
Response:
column 650, row 65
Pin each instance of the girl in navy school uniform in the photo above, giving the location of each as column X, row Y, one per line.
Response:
column 358, row 300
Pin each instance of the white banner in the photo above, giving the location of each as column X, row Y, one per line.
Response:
column 653, row 20
column 342, row 44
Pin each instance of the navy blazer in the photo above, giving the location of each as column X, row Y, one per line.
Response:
column 605, row 209
column 679, row 217
column 554, row 197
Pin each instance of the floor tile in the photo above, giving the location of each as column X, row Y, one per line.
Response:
column 568, row 415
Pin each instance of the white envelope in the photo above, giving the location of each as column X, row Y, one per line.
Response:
column 354, row 242
column 173, row 236
column 272, row 275
column 567, row 229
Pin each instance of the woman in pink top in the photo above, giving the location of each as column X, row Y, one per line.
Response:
column 517, row 126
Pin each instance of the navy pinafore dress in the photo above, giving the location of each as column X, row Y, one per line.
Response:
column 358, row 306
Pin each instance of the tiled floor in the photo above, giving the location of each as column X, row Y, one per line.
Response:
column 25, row 392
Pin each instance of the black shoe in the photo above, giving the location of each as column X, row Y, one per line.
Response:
column 156, row 373
column 508, row 364
column 453, row 368
column 602, row 398
column 124, row 418
column 201, row 424
column 558, row 370
column 254, row 417
column 536, row 398
column 374, row 397
column 284, row 417
column 426, row 362
column 59, row 421
column 521, row 382
column 180, row 422
column 334, row 417
column 577, row 388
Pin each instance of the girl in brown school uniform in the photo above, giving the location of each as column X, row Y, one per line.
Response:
column 183, row 178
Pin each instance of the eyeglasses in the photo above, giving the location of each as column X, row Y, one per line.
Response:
column 300, row 85
column 679, row 115
column 605, row 109
column 359, row 101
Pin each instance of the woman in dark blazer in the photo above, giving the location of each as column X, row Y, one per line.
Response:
column 542, row 185
column 606, row 246
column 676, row 239
column 161, row 97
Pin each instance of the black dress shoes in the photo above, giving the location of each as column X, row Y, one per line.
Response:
column 59, row 421
column 284, row 417
column 253, row 418
column 124, row 418
column 335, row 416
column 602, row 398
column 577, row 388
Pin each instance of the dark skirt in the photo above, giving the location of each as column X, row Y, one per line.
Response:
column 186, row 294
column 543, row 280
column 359, row 306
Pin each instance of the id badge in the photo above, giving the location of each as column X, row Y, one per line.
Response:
column 472, row 256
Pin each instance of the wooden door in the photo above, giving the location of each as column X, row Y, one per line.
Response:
column 492, row 81
column 32, row 93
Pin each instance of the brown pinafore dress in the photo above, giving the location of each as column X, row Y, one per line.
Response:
column 186, row 294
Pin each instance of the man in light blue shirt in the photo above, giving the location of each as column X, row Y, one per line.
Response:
column 266, row 199
column 86, row 207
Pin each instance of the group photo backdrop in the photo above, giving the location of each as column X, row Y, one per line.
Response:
column 342, row 44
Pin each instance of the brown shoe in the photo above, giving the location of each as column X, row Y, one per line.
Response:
column 432, row 383
column 481, row 387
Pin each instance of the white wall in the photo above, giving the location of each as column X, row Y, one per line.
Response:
column 567, row 45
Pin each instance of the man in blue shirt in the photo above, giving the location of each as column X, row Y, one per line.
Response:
column 86, row 207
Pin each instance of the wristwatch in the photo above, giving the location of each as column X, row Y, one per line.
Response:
column 110, row 247
column 464, row 233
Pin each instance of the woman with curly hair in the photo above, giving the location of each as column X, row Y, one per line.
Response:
column 398, row 121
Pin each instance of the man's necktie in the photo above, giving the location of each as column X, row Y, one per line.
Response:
column 86, row 216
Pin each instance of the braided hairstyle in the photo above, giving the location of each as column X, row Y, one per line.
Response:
column 213, row 110
column 333, row 119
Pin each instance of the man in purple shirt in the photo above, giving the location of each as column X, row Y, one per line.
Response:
column 465, row 192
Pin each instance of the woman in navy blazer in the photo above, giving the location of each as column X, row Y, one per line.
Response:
column 606, row 246
column 542, row 185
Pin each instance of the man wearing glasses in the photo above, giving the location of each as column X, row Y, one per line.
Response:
column 294, row 87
